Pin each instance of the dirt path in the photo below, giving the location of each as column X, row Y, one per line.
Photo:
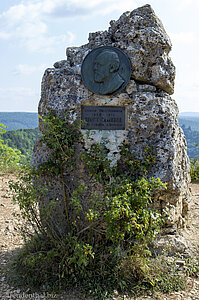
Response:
column 10, row 241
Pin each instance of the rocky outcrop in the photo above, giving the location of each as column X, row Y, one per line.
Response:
column 142, row 36
column 151, row 114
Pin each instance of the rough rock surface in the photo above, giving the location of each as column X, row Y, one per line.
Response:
column 142, row 36
column 151, row 114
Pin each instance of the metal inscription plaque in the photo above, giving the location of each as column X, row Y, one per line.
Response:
column 106, row 70
column 103, row 117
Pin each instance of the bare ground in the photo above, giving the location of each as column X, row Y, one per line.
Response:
column 10, row 241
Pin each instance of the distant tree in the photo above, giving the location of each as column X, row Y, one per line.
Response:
column 10, row 158
column 22, row 139
column 192, row 138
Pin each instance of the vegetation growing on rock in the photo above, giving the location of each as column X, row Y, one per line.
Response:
column 107, row 246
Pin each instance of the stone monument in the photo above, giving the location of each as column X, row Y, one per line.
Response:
column 120, row 83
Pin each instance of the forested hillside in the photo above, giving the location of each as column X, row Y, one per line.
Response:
column 188, row 121
column 192, row 138
column 22, row 139
column 19, row 120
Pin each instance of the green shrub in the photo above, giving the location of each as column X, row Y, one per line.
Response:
column 194, row 171
column 10, row 159
column 22, row 139
column 109, row 249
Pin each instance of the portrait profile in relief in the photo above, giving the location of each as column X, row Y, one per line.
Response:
column 106, row 70
column 106, row 67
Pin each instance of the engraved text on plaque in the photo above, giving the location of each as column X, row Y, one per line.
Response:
column 103, row 117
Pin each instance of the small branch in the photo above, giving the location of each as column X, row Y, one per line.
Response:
column 90, row 227
column 65, row 198
column 84, row 229
column 101, row 232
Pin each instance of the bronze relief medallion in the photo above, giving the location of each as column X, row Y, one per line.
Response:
column 106, row 70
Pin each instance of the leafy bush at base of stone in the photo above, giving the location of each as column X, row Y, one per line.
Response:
column 92, row 257
column 109, row 250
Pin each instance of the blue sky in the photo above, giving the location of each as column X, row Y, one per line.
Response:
column 34, row 34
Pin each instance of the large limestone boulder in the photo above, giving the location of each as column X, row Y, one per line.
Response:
column 151, row 114
column 142, row 36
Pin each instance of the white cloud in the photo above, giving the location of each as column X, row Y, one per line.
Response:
column 47, row 44
column 28, row 21
column 17, row 92
column 118, row 6
column 187, row 88
column 189, row 79
column 184, row 4
column 183, row 37
column 75, row 8
column 32, row 12
column 24, row 69
column 17, row 14
column 4, row 35
column 30, row 30
column 25, row 22
column 187, row 98
column 18, row 98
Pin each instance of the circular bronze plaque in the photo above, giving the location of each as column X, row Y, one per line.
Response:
column 106, row 70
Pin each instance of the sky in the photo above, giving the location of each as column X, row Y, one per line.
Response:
column 34, row 34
